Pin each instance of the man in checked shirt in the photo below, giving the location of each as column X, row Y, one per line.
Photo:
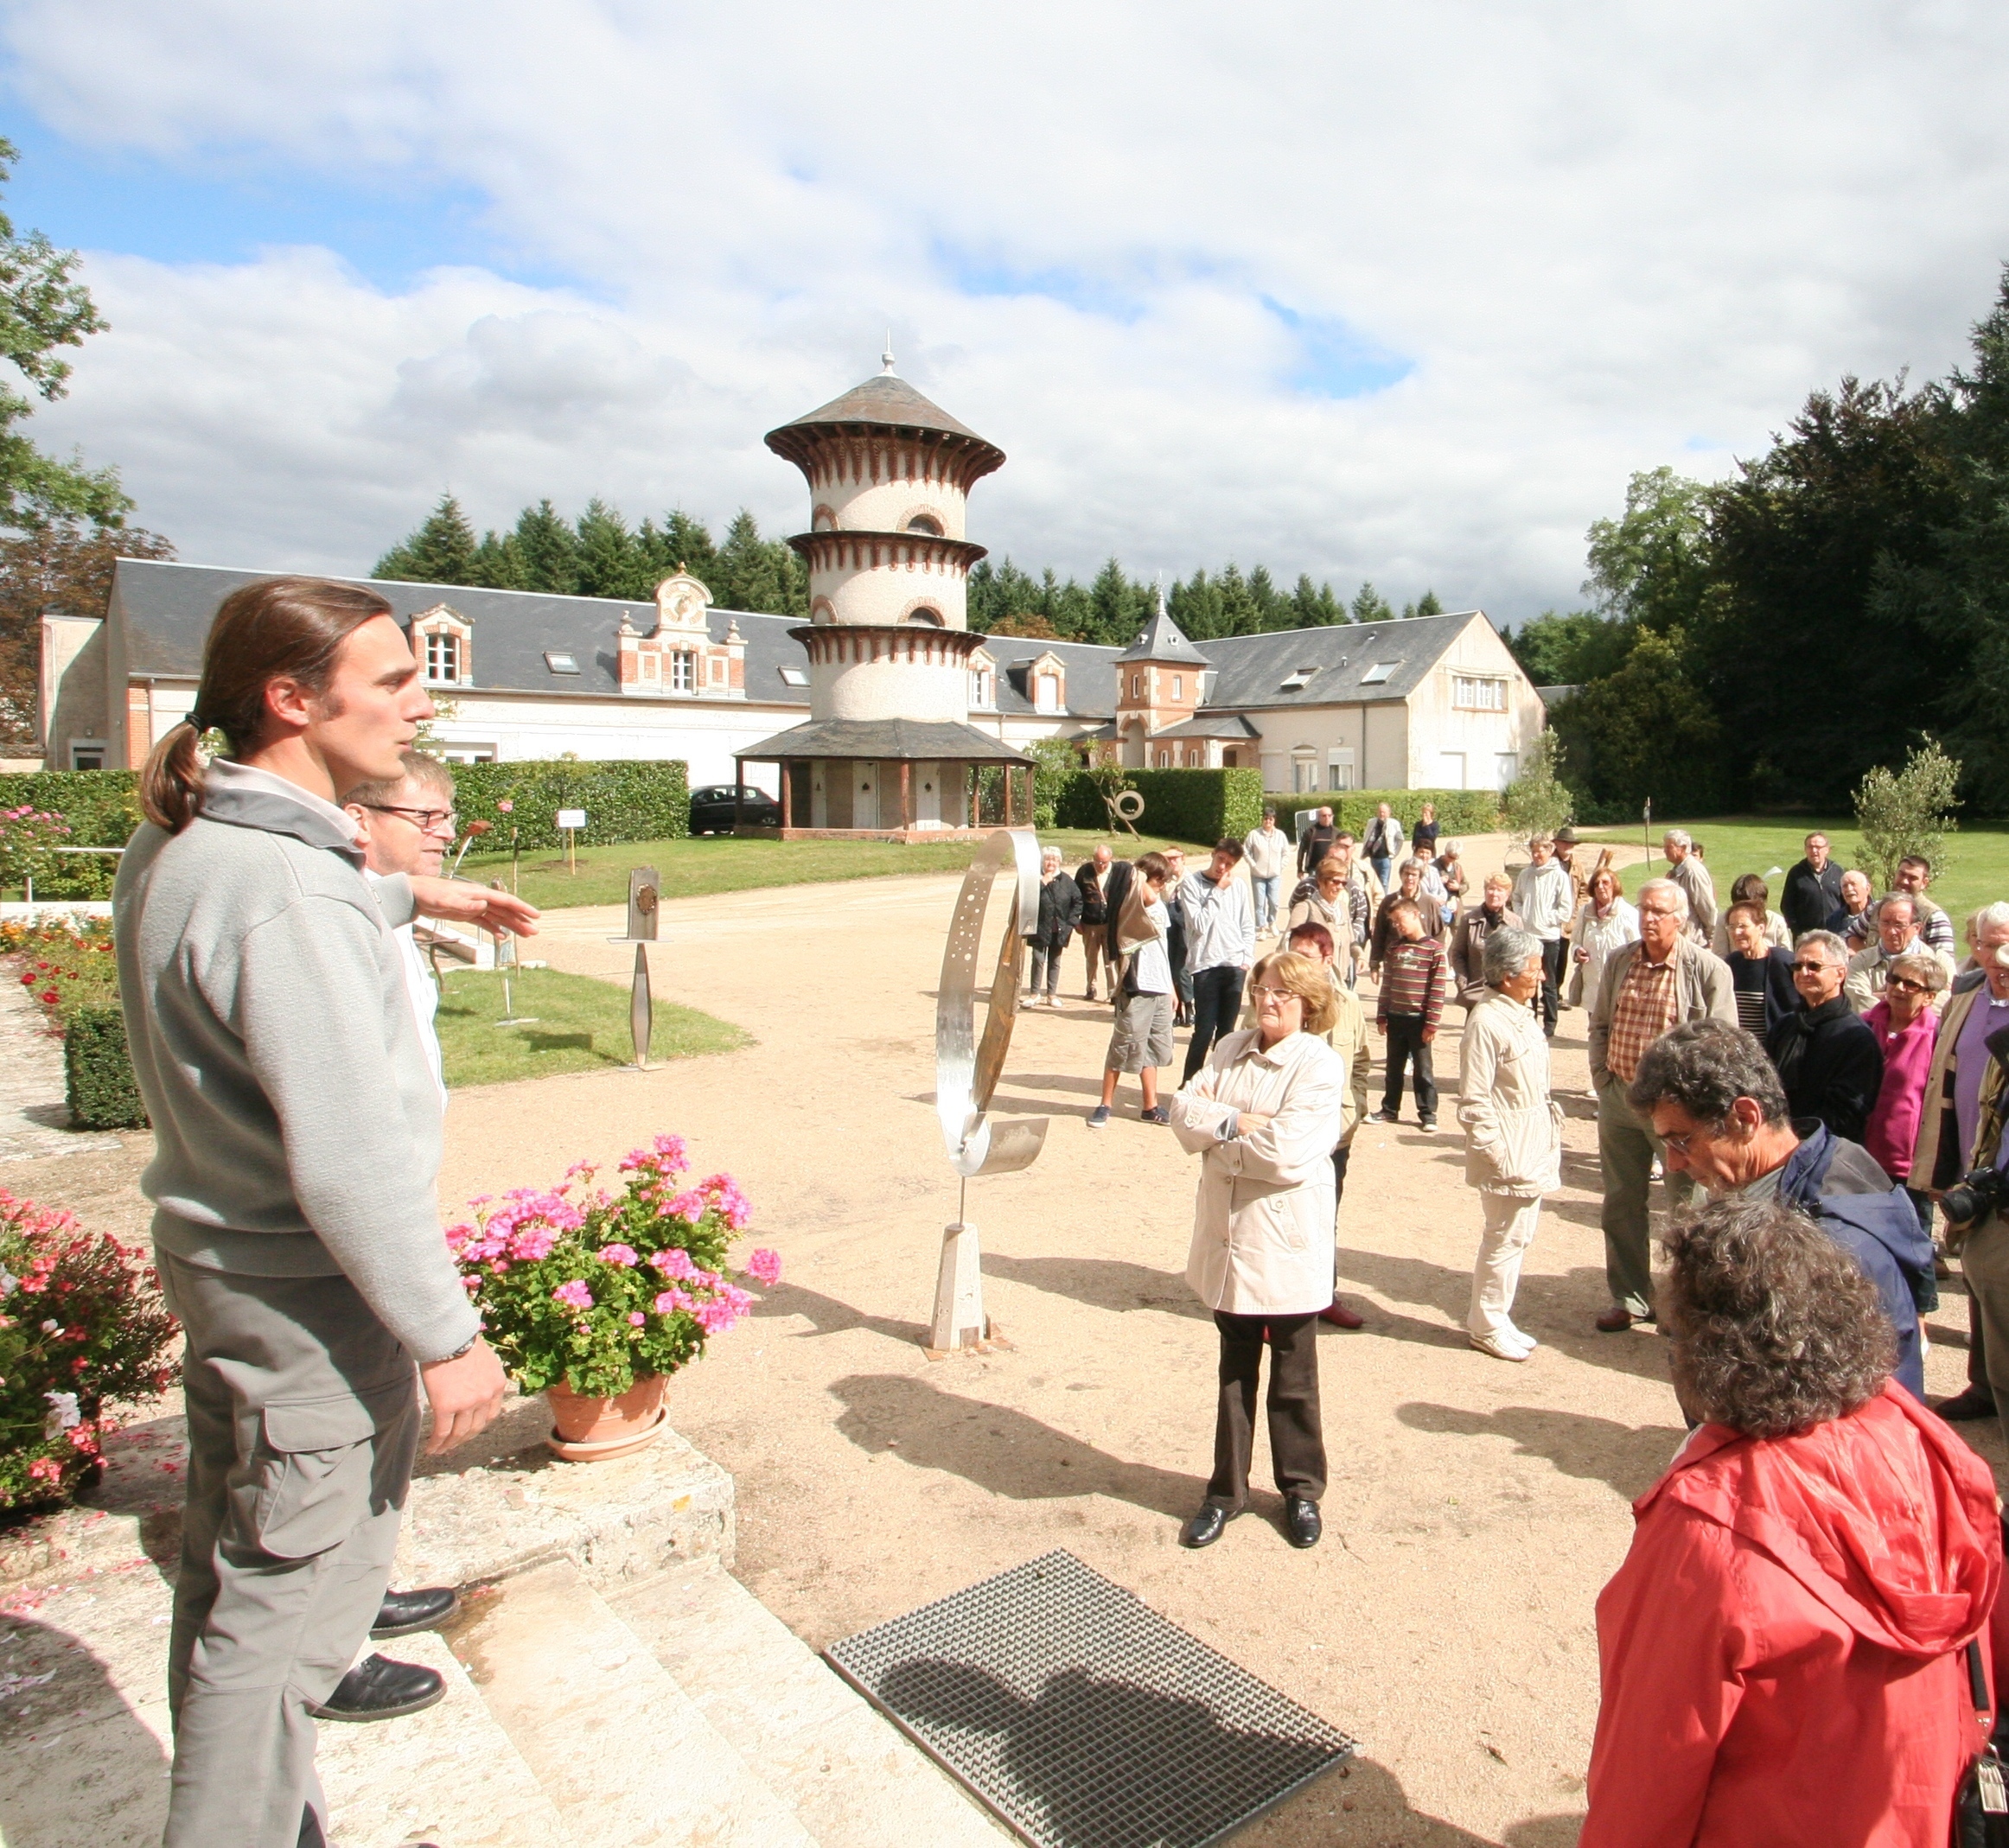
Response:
column 1648, row 986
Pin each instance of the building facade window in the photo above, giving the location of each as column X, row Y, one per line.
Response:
column 1046, row 692
column 1474, row 694
column 1179, row 686
column 1137, row 686
column 983, row 687
column 443, row 657
column 1165, row 760
column 683, row 671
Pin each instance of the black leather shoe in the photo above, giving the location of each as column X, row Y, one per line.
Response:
column 1302, row 1525
column 402, row 1612
column 1206, row 1526
column 1973, row 1402
column 379, row 1689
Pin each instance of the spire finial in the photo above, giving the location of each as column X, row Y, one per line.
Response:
column 1161, row 593
column 886, row 357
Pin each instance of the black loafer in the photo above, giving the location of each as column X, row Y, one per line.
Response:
column 402, row 1612
column 379, row 1689
column 1302, row 1525
column 1207, row 1525
column 1971, row 1403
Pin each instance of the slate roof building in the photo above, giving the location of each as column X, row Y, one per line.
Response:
column 875, row 715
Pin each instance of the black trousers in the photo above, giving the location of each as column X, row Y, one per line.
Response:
column 1554, row 955
column 1297, row 1446
column 1216, row 1002
column 1339, row 1157
column 1407, row 1046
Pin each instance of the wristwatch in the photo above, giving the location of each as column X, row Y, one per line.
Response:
column 465, row 1348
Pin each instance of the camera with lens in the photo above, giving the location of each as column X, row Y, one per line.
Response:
column 1973, row 1197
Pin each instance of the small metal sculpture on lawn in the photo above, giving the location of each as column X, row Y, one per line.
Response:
column 1124, row 806
column 644, row 898
column 966, row 1072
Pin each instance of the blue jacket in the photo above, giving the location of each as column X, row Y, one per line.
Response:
column 1840, row 1185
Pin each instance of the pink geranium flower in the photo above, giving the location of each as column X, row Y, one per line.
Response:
column 624, row 1255
column 574, row 1293
column 764, row 1266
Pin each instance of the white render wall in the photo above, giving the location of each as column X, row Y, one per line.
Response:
column 886, row 506
column 883, row 596
column 1444, row 736
column 873, row 690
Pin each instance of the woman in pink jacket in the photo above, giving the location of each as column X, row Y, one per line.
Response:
column 1785, row 1652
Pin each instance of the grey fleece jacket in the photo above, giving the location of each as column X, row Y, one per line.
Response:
column 297, row 1126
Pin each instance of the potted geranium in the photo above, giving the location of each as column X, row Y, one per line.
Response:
column 81, row 1326
column 595, row 1298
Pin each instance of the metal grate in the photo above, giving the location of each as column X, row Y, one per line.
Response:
column 1083, row 1717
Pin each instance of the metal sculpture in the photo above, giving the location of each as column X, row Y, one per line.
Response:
column 644, row 899
column 967, row 1071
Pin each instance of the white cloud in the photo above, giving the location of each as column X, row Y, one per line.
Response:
column 1602, row 236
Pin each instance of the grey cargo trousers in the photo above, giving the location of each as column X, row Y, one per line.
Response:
column 303, row 1423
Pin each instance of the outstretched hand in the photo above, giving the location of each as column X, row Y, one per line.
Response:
column 461, row 902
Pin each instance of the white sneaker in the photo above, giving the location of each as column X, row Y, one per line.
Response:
column 1521, row 1337
column 1498, row 1347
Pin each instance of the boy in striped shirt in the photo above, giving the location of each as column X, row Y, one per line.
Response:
column 1413, row 989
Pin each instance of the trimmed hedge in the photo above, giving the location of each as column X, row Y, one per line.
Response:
column 1458, row 811
column 98, row 1077
column 625, row 800
column 1199, row 805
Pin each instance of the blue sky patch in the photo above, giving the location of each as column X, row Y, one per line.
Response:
column 1089, row 293
column 223, row 206
column 1334, row 360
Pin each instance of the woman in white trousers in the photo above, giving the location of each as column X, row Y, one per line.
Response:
column 1513, row 1133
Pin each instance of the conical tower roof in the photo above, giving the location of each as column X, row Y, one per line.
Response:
column 1162, row 640
column 884, row 405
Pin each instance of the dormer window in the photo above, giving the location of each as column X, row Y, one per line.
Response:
column 983, row 687
column 443, row 657
column 683, row 671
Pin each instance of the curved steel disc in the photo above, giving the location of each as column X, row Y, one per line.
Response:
column 965, row 1074
column 1002, row 1146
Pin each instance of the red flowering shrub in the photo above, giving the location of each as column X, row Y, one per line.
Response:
column 63, row 970
column 81, row 1326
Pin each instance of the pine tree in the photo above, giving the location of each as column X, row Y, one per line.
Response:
column 687, row 546
column 1196, row 607
column 441, row 551
column 1426, row 605
column 1273, row 607
column 608, row 565
column 498, row 563
column 1370, row 606
column 548, row 550
column 748, row 575
column 1238, row 607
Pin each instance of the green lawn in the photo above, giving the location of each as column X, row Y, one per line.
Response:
column 691, row 868
column 581, row 1025
column 1975, row 872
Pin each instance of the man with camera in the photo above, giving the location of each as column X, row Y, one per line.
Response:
column 1959, row 1134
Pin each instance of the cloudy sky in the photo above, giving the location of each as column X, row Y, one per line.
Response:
column 1401, row 293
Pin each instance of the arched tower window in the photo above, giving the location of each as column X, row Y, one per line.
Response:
column 925, row 523
column 923, row 618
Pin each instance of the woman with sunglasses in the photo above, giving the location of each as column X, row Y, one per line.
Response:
column 1264, row 1114
column 1906, row 1025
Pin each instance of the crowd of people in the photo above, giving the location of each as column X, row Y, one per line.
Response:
column 1794, row 1650
column 1801, row 1644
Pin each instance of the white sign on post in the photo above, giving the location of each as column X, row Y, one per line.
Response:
column 571, row 818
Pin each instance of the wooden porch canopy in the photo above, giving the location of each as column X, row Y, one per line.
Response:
column 902, row 741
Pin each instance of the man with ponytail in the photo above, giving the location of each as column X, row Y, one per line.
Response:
column 296, row 1231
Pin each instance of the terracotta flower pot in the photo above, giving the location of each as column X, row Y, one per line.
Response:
column 591, row 1430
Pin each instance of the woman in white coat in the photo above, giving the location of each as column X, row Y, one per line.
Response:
column 1264, row 1115
column 1606, row 921
column 1513, row 1134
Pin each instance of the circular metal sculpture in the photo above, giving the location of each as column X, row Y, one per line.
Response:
column 1128, row 804
column 966, row 1068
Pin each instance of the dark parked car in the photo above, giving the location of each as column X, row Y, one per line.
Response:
column 711, row 809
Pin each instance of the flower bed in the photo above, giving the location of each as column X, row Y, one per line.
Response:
column 81, row 1326
column 63, row 971
column 599, row 1288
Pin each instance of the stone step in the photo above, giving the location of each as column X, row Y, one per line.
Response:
column 624, row 1755
column 448, row 1775
column 853, row 1777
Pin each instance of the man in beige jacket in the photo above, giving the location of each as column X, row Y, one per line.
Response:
column 1663, row 979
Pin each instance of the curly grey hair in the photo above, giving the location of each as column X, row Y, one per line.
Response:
column 1704, row 1065
column 1507, row 953
column 1774, row 1327
column 1921, row 965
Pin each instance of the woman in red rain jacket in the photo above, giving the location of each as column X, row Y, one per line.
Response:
column 1782, row 1651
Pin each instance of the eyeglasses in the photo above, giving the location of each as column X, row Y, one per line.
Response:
column 425, row 819
column 1658, row 911
column 1813, row 968
column 1679, row 1144
column 1278, row 995
column 1906, row 985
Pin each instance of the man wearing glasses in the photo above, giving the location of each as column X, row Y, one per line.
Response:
column 406, row 826
column 1828, row 1059
column 1896, row 932
column 1719, row 1111
column 1663, row 980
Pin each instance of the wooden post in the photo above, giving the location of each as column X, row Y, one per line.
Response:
column 738, row 808
column 1007, row 795
column 906, row 797
column 787, row 791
